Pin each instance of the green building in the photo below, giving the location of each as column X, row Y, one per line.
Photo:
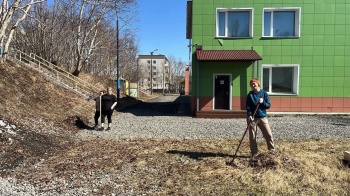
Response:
column 298, row 49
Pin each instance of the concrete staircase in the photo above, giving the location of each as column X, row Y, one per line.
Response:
column 55, row 74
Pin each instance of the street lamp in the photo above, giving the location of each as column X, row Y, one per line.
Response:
column 152, row 70
column 118, row 79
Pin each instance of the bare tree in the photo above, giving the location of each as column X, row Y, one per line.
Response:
column 144, row 72
column 12, row 13
column 81, row 35
column 86, row 17
column 127, row 57
column 177, row 71
column 42, row 33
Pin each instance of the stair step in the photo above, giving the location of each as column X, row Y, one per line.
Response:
column 56, row 77
column 224, row 114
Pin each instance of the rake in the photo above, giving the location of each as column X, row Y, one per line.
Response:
column 234, row 156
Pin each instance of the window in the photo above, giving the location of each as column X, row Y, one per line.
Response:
column 234, row 22
column 281, row 22
column 281, row 79
column 148, row 62
column 154, row 61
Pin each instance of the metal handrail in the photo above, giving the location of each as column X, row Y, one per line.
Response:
column 21, row 56
column 64, row 71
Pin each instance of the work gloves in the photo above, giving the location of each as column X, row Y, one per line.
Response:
column 260, row 100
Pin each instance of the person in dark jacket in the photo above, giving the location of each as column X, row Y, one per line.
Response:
column 109, row 101
column 258, row 98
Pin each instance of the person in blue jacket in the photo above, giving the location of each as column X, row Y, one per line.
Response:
column 257, row 97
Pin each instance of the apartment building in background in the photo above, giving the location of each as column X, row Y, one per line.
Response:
column 299, row 49
column 158, row 65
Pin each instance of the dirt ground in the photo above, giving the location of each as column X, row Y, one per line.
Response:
column 40, row 150
column 43, row 114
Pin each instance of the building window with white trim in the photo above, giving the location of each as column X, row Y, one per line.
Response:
column 280, row 79
column 234, row 22
column 281, row 22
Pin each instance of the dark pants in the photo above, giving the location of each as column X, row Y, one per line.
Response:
column 107, row 113
column 97, row 115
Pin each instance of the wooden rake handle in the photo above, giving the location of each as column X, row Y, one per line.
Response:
column 234, row 156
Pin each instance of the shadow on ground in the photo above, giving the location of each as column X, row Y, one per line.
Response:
column 178, row 106
column 201, row 155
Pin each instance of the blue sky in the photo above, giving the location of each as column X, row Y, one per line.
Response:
column 162, row 25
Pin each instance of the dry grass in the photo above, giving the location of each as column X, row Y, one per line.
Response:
column 149, row 166
column 26, row 94
column 197, row 167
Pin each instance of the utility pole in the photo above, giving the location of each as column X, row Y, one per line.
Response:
column 118, row 79
column 164, row 75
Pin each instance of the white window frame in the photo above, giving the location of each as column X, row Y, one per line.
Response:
column 296, row 72
column 297, row 20
column 218, row 10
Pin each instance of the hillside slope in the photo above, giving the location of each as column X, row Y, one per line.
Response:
column 43, row 115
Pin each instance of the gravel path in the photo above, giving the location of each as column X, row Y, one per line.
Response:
column 149, row 122
column 157, row 119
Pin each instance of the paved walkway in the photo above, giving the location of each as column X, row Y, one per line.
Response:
column 166, row 105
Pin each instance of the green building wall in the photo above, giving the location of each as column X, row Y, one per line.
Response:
column 322, row 50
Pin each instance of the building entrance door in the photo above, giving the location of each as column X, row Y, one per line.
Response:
column 222, row 92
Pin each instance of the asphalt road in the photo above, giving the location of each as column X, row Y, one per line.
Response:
column 166, row 105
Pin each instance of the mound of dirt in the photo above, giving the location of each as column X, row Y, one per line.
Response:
column 273, row 160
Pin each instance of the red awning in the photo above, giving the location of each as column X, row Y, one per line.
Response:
column 227, row 55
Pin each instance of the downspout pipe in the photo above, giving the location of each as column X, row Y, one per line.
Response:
column 198, row 48
column 253, row 67
column 258, row 69
column 197, row 86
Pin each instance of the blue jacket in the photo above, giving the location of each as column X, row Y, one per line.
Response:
column 252, row 102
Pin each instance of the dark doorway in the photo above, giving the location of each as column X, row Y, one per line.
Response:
column 222, row 92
